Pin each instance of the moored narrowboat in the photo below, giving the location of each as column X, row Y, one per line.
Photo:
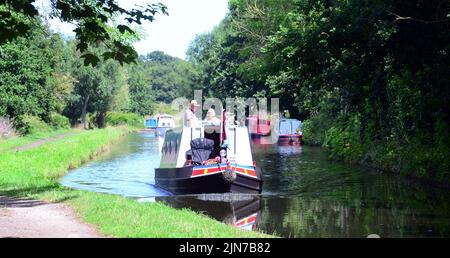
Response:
column 165, row 122
column 151, row 122
column 208, row 159
column 290, row 132
column 258, row 126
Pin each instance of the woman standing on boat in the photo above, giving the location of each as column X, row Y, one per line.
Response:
column 211, row 117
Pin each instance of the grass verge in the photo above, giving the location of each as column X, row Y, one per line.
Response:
column 34, row 173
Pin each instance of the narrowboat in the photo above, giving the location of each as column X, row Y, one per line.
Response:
column 208, row 159
column 290, row 132
column 165, row 122
column 258, row 127
column 151, row 123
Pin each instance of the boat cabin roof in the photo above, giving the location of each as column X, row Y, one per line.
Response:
column 290, row 126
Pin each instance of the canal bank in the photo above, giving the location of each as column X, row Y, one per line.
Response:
column 34, row 173
column 422, row 157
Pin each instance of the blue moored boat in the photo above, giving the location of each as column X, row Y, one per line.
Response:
column 291, row 132
column 151, row 123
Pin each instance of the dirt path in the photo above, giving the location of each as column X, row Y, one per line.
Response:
column 42, row 141
column 37, row 219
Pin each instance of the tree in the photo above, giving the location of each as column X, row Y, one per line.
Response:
column 231, row 55
column 371, row 76
column 91, row 19
column 31, row 78
column 158, row 77
column 142, row 98
column 96, row 90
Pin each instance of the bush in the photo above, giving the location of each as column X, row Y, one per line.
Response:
column 58, row 121
column 28, row 124
column 342, row 140
column 163, row 108
column 130, row 119
column 314, row 129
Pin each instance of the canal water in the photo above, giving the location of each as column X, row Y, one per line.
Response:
column 304, row 194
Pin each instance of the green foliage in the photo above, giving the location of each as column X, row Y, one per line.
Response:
column 342, row 140
column 97, row 90
column 330, row 62
column 121, row 100
column 28, row 124
column 314, row 128
column 130, row 119
column 230, row 57
column 58, row 121
column 93, row 25
column 44, row 75
column 163, row 108
column 30, row 76
column 158, row 77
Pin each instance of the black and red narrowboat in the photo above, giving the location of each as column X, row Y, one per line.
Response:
column 208, row 159
column 290, row 132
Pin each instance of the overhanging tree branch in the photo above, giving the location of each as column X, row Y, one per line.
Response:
column 408, row 18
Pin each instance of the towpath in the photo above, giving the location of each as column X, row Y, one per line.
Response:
column 42, row 141
column 24, row 218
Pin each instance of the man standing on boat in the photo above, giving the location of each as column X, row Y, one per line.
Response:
column 189, row 115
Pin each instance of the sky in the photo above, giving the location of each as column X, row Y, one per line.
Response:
column 171, row 34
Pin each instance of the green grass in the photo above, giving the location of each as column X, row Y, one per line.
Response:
column 34, row 173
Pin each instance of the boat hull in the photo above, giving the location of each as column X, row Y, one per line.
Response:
column 260, row 134
column 290, row 139
column 184, row 180
column 257, row 127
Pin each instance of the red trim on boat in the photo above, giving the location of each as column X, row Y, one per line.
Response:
column 248, row 220
column 244, row 171
column 202, row 171
column 208, row 170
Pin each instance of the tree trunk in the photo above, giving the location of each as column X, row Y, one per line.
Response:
column 83, row 113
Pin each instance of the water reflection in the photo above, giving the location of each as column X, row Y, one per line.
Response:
column 241, row 211
column 308, row 196
column 304, row 195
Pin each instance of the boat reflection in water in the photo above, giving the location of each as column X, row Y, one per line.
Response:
column 289, row 150
column 266, row 145
column 239, row 210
